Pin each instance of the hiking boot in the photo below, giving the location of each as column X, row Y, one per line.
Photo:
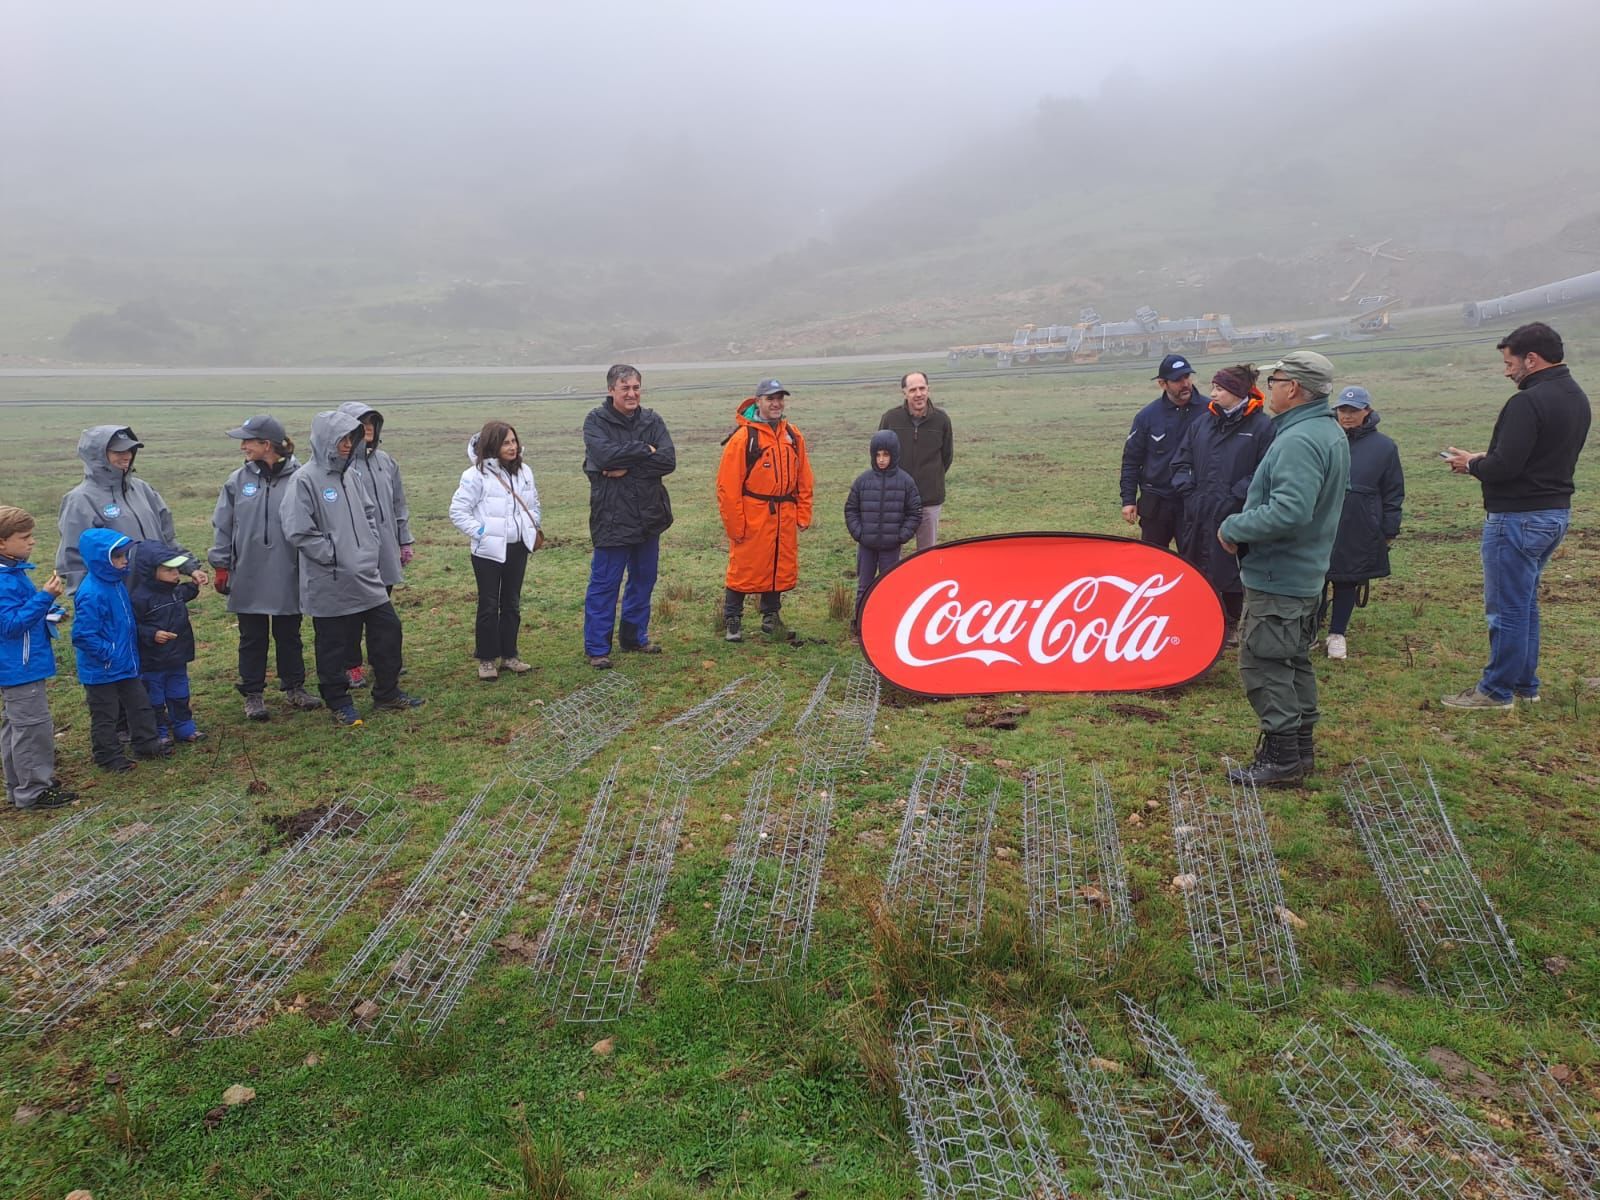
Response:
column 346, row 716
column 189, row 739
column 1277, row 762
column 1473, row 697
column 118, row 765
column 487, row 670
column 54, row 796
column 357, row 677
column 600, row 662
column 769, row 623
column 733, row 629
column 301, row 699
column 399, row 702
column 255, row 708
column 1306, row 744
column 646, row 648
column 162, row 749
column 1231, row 638
column 515, row 665
column 1336, row 646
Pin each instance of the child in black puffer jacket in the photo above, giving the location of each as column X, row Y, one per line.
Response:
column 882, row 512
column 166, row 639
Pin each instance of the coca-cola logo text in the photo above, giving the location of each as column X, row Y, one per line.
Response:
column 1044, row 612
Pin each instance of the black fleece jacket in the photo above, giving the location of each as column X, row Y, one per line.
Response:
column 1534, row 449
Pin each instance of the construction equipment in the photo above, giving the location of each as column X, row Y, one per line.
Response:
column 1147, row 335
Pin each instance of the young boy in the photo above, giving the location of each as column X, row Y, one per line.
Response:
column 27, row 623
column 105, row 637
column 166, row 639
column 882, row 513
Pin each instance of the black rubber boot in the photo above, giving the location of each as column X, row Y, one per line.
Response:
column 1306, row 745
column 1277, row 762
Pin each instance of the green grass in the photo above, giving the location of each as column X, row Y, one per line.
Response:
column 723, row 1089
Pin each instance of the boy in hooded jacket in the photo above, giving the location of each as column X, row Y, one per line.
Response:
column 881, row 512
column 166, row 639
column 27, row 739
column 105, row 636
column 393, row 514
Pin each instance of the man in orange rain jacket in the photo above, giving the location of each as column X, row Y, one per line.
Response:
column 764, row 496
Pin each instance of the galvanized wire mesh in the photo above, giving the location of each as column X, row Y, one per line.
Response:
column 1395, row 1139
column 593, row 950
column 940, row 866
column 838, row 735
column 64, row 953
column 407, row 978
column 701, row 741
column 973, row 1121
column 1239, row 925
column 1571, row 1128
column 1455, row 938
column 1164, row 1134
column 1078, row 906
column 769, row 896
column 30, row 874
column 574, row 728
column 222, row 979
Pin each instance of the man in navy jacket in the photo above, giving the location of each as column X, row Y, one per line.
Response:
column 1149, row 498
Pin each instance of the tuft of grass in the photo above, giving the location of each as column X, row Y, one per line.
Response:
column 841, row 602
column 131, row 1130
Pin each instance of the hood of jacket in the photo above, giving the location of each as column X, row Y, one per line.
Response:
column 97, row 545
column 472, row 450
column 92, row 443
column 326, row 430
column 1368, row 424
column 884, row 439
column 362, row 412
column 151, row 555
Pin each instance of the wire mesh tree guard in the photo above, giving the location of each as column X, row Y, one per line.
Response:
column 769, row 895
column 574, row 728
column 700, row 741
column 973, row 1121
column 1570, row 1127
column 66, row 952
column 1398, row 1137
column 410, row 974
column 1077, row 880
column 221, row 981
column 1239, row 925
column 940, row 867
column 836, row 735
column 1454, row 936
column 52, row 862
column 591, row 953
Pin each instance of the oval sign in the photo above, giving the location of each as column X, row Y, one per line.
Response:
column 1041, row 612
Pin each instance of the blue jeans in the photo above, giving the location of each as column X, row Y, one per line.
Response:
column 1516, row 547
column 600, row 602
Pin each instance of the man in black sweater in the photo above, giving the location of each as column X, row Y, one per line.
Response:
column 1527, row 495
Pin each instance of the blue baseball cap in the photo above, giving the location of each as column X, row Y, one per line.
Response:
column 1353, row 397
column 1174, row 367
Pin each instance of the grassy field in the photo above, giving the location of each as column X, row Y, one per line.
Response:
column 788, row 1090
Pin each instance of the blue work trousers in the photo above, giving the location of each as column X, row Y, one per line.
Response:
column 169, row 700
column 605, row 580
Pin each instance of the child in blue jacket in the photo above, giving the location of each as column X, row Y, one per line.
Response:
column 166, row 639
column 28, row 738
column 881, row 512
column 105, row 638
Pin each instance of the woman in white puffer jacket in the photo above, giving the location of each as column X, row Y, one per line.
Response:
column 497, row 505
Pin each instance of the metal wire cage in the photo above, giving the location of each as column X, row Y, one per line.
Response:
column 222, row 980
column 52, row 862
column 973, row 1121
column 938, row 874
column 769, row 895
column 1233, row 901
column 1398, row 1136
column 574, row 728
column 701, row 741
column 1570, row 1127
column 837, row 735
column 1078, row 905
column 410, row 974
column 1454, row 936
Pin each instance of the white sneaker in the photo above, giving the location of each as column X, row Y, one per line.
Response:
column 1336, row 646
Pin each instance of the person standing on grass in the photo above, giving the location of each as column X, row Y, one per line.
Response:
column 882, row 512
column 1211, row 474
column 1527, row 477
column 377, row 466
column 332, row 521
column 1371, row 518
column 627, row 455
column 496, row 504
column 1149, row 499
column 927, row 448
column 1283, row 539
column 28, row 617
column 257, row 568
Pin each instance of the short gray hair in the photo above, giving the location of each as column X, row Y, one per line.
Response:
column 620, row 372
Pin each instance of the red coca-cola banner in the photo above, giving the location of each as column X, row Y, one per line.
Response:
column 1041, row 612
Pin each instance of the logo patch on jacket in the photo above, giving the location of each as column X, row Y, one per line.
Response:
column 330, row 494
column 112, row 510
column 250, row 489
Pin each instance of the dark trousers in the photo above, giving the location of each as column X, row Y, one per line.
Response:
column 332, row 637
column 169, row 702
column 1232, row 608
column 499, row 602
column 869, row 565
column 1159, row 518
column 1340, row 605
column 353, row 651
column 255, row 629
column 106, row 701
column 733, row 602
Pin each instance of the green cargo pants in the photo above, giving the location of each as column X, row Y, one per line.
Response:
column 1275, row 636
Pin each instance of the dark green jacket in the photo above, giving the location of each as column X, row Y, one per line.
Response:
column 1291, row 512
column 927, row 448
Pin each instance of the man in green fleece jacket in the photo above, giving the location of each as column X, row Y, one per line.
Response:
column 1284, row 538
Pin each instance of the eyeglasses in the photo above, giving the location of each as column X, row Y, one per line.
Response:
column 1279, row 379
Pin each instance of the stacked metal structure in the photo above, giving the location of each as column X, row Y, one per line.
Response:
column 940, row 868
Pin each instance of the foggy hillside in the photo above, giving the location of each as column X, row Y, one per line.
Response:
column 282, row 184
